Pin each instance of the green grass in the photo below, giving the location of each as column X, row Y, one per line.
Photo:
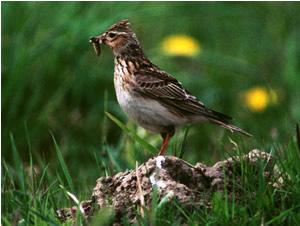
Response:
column 34, row 198
column 56, row 137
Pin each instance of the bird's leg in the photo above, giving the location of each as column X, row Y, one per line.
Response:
column 166, row 138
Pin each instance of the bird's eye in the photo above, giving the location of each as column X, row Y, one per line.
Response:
column 111, row 35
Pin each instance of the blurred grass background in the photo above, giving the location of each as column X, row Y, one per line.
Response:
column 52, row 82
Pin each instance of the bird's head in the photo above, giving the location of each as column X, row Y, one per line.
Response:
column 118, row 37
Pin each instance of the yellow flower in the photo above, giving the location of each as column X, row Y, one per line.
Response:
column 181, row 45
column 258, row 98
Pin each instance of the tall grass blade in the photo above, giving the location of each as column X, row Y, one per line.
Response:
column 63, row 165
column 18, row 163
column 132, row 134
column 5, row 221
column 30, row 157
column 182, row 149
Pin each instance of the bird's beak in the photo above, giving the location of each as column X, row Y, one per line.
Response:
column 96, row 41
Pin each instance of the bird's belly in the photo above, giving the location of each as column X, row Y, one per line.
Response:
column 148, row 113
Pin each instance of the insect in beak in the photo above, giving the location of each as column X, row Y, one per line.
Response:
column 96, row 41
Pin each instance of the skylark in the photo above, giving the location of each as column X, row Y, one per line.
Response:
column 151, row 97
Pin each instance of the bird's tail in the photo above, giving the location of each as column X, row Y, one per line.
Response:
column 224, row 121
column 230, row 127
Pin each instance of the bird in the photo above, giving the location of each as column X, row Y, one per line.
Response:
column 149, row 96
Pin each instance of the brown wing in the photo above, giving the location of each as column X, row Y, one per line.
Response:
column 160, row 85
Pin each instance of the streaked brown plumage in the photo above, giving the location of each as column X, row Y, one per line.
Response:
column 151, row 97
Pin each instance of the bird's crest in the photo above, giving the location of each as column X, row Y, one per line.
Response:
column 121, row 26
